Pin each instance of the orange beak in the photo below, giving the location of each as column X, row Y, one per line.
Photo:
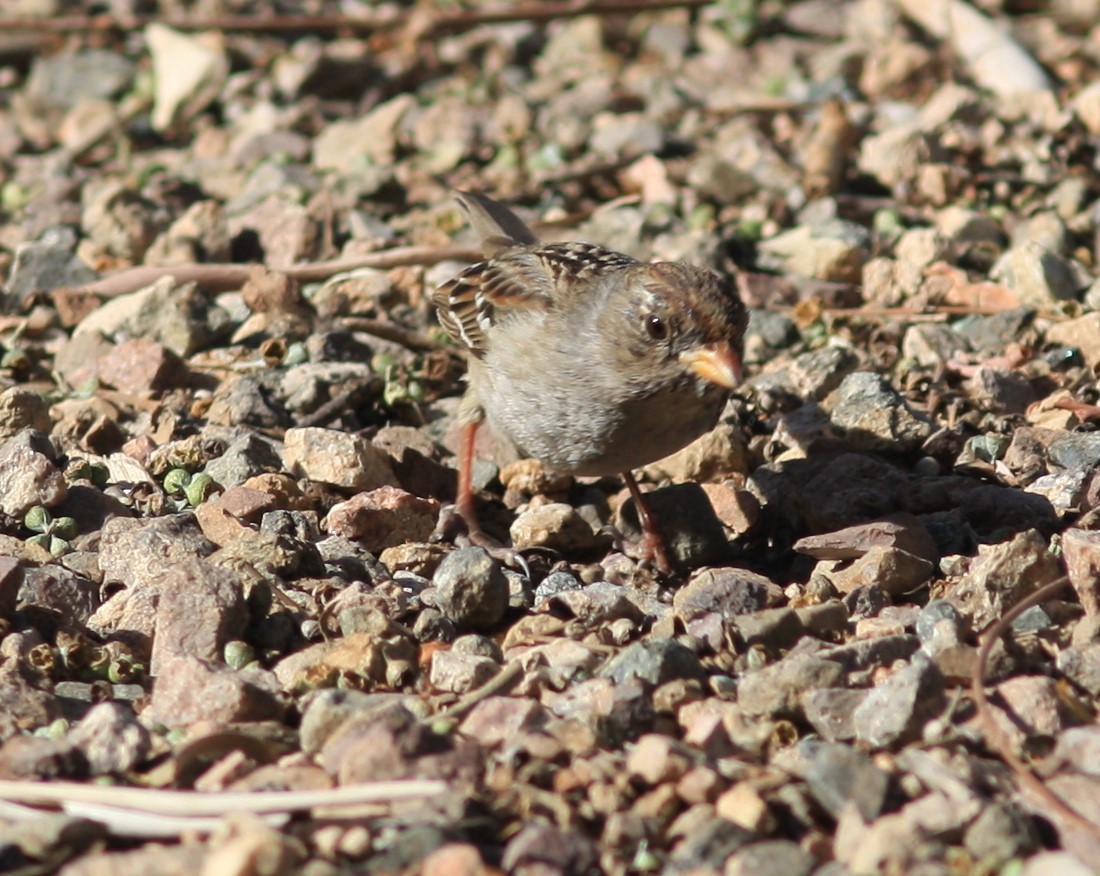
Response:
column 718, row 363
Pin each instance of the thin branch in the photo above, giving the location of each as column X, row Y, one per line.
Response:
column 182, row 804
column 1082, row 410
column 226, row 277
column 996, row 739
column 389, row 331
column 432, row 24
column 500, row 683
column 132, row 824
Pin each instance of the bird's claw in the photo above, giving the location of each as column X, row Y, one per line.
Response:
column 456, row 527
column 648, row 551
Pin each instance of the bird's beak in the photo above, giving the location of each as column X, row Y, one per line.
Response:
column 718, row 363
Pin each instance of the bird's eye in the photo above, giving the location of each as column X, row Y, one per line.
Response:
column 655, row 327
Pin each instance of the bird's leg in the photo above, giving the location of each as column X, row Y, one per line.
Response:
column 464, row 499
column 653, row 545
column 467, row 513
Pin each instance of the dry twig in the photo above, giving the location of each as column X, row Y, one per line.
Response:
column 226, row 277
column 190, row 804
column 434, row 24
column 996, row 739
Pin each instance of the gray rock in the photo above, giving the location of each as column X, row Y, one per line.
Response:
column 24, row 705
column 339, row 458
column 57, row 590
column 140, row 553
column 902, row 531
column 1038, row 275
column 830, row 711
column 460, row 673
column 555, row 583
column 839, row 776
column 246, row 456
column 188, row 690
column 478, row 646
column 298, row 525
column 65, row 79
column 471, row 589
column 43, row 837
column 1062, row 863
column 28, row 474
column 625, row 135
column 1075, row 449
column 111, row 738
column 1002, row 390
column 833, row 251
column 325, row 710
column 1045, row 230
column 363, row 148
column 556, row 526
column 1032, row 620
column 824, row 620
column 118, row 220
column 249, row 400
column 188, row 74
column 892, row 570
column 714, row 597
column 382, row 518
column 776, row 690
column 654, row 662
column 874, row 416
column 305, row 388
column 600, row 603
column 22, row 408
column 930, row 344
column 893, row 155
column 869, row 653
column 1081, row 334
column 775, row 628
column 1082, row 666
column 1065, row 490
column 810, row 375
column 201, row 607
column 39, row 758
column 965, row 226
column 1002, row 575
column 540, row 846
column 989, row 334
column 896, row 710
column 707, row 846
column 769, row 858
column 774, row 330
column 693, row 534
column 177, row 315
column 12, row 573
column 850, row 489
column 866, row 600
column 990, row 509
column 1001, row 832
column 1081, row 552
column 939, row 620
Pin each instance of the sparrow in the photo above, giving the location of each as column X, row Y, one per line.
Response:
column 586, row 359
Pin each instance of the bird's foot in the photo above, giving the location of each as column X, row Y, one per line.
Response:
column 648, row 551
column 456, row 526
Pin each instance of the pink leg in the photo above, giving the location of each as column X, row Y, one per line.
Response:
column 464, row 500
column 652, row 542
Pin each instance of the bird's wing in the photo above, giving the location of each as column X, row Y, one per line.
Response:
column 520, row 274
column 497, row 226
column 516, row 281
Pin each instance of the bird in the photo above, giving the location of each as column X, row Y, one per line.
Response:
column 589, row 360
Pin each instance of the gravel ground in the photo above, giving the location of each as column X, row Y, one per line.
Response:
column 227, row 441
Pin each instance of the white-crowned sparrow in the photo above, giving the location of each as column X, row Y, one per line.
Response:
column 584, row 358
